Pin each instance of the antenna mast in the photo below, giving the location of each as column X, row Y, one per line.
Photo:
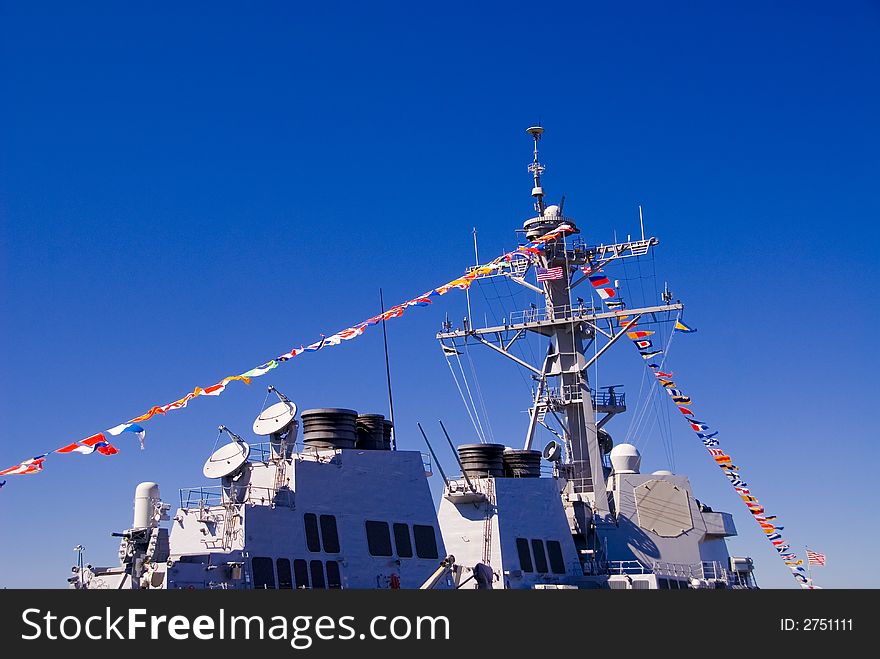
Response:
column 536, row 168
column 388, row 374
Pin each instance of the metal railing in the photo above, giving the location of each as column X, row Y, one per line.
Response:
column 710, row 570
column 201, row 497
column 192, row 498
column 608, row 399
column 626, row 567
column 544, row 314
column 572, row 393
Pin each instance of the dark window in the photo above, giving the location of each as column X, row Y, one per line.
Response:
column 554, row 553
column 301, row 573
column 663, row 584
column 334, row 580
column 402, row 541
column 317, row 574
column 540, row 556
column 264, row 574
column 378, row 538
column 525, row 557
column 313, row 542
column 195, row 558
column 426, row 541
column 284, row 579
column 329, row 534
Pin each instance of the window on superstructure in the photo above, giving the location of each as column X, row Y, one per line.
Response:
column 317, row 570
column 540, row 556
column 378, row 538
column 402, row 541
column 313, row 540
column 264, row 573
column 285, row 581
column 329, row 534
column 334, row 579
column 426, row 541
column 301, row 573
column 525, row 556
column 554, row 553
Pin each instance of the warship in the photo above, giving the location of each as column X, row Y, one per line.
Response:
column 339, row 505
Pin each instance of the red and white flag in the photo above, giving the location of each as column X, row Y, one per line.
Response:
column 548, row 274
column 815, row 558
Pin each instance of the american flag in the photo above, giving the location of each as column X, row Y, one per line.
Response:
column 546, row 274
column 815, row 558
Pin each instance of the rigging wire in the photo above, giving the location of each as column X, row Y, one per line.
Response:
column 644, row 410
column 463, row 399
column 666, row 410
column 512, row 296
column 632, row 419
column 479, row 389
column 476, row 416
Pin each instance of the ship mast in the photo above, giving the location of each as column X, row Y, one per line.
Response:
column 565, row 361
column 536, row 168
column 563, row 386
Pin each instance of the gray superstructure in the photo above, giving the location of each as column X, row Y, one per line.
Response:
column 342, row 509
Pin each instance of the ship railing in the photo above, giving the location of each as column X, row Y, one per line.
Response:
column 713, row 570
column 543, row 314
column 708, row 570
column 626, row 567
column 574, row 393
column 567, row 393
column 262, row 452
column 608, row 398
column 201, row 498
column 682, row 570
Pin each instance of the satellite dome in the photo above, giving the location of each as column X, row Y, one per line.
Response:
column 551, row 211
column 625, row 459
column 662, row 472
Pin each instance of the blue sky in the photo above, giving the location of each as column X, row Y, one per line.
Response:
column 186, row 193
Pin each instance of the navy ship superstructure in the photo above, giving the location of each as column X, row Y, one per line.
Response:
column 344, row 511
column 344, row 508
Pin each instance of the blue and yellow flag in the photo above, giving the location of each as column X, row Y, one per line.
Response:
column 681, row 327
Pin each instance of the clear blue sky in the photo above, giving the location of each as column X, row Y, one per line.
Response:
column 188, row 191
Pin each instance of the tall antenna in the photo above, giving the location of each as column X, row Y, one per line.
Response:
column 641, row 221
column 476, row 251
column 537, row 169
column 388, row 373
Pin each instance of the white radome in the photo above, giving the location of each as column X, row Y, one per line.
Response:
column 625, row 459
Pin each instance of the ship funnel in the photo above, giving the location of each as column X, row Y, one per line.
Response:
column 520, row 463
column 329, row 427
column 146, row 498
column 625, row 459
column 482, row 460
column 373, row 432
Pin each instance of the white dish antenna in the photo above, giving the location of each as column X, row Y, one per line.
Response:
column 275, row 418
column 226, row 460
